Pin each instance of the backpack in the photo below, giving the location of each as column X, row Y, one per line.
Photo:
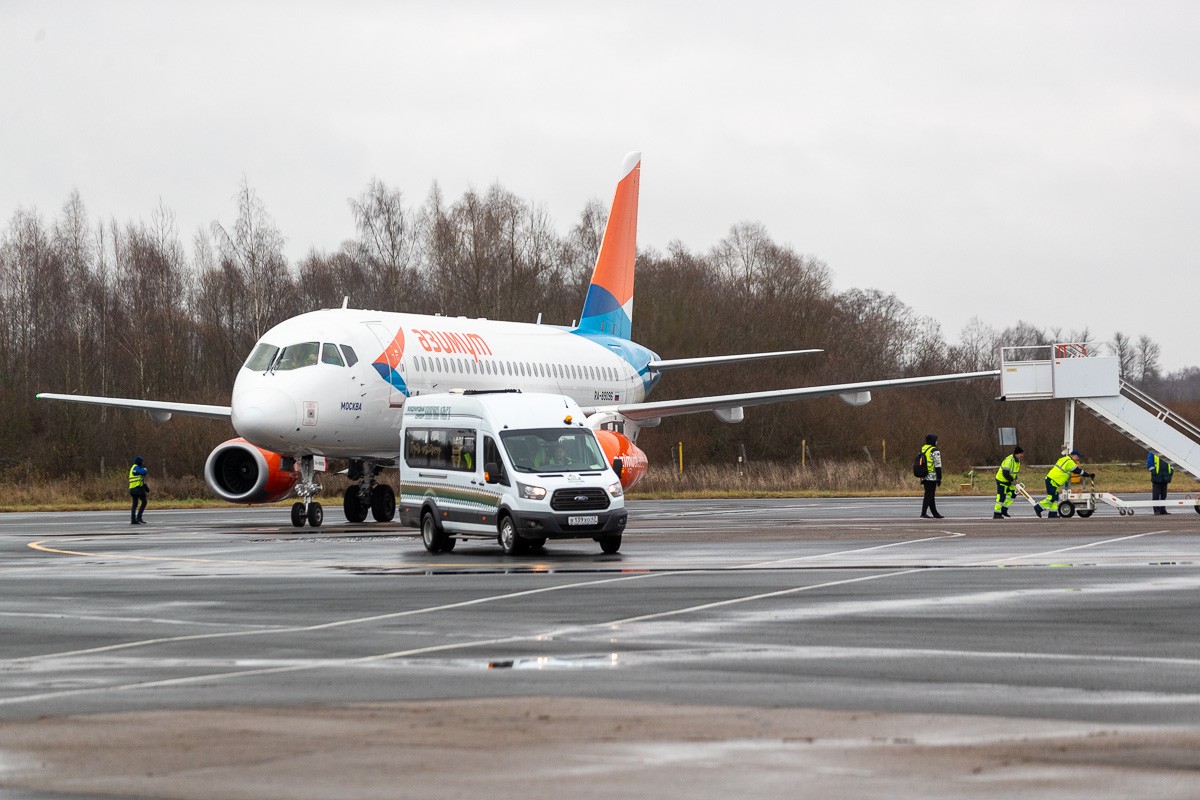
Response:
column 920, row 468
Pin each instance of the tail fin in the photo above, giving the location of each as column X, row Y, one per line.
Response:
column 608, row 307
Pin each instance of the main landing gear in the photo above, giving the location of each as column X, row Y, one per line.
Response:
column 368, row 495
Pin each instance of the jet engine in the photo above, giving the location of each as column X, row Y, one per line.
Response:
column 239, row 472
column 633, row 460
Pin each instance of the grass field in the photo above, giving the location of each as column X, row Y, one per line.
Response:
column 31, row 492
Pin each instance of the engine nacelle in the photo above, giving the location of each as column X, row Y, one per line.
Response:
column 239, row 472
column 633, row 460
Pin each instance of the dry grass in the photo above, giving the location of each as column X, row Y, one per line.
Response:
column 22, row 491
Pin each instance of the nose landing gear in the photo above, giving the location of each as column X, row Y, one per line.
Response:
column 307, row 509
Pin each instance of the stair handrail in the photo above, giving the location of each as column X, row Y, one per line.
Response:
column 1161, row 411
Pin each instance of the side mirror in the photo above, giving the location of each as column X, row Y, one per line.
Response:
column 618, row 466
column 491, row 472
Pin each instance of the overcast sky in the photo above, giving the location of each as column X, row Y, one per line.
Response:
column 999, row 160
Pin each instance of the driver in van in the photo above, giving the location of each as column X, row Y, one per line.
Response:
column 559, row 459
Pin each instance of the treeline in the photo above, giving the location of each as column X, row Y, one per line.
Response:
column 129, row 310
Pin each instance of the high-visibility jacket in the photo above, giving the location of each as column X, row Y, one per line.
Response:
column 1162, row 470
column 927, row 451
column 137, row 476
column 1060, row 473
column 1010, row 465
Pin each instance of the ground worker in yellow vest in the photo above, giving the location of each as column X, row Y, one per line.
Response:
column 1006, row 479
column 137, row 491
column 1161, row 473
column 1057, row 477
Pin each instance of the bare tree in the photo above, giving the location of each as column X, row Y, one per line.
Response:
column 254, row 251
column 1146, row 355
column 1126, row 355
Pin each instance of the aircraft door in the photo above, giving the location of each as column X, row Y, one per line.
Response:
column 390, row 363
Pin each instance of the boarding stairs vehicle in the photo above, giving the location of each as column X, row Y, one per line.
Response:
column 1081, row 374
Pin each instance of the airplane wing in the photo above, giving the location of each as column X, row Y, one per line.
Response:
column 852, row 393
column 685, row 363
column 159, row 411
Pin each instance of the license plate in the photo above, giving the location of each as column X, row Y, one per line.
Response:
column 583, row 519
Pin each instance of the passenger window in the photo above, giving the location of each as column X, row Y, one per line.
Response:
column 330, row 355
column 351, row 358
column 440, row 448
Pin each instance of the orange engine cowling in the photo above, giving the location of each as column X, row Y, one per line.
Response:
column 633, row 460
column 239, row 472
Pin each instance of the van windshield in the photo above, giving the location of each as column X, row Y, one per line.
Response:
column 553, row 450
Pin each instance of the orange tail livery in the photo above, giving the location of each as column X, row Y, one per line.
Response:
column 608, row 307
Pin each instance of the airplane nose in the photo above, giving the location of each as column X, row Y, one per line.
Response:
column 264, row 416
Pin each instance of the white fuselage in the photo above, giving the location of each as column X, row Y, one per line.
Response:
column 299, row 394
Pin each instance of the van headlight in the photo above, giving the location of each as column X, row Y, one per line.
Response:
column 615, row 489
column 531, row 492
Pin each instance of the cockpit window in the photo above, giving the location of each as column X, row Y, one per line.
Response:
column 330, row 355
column 295, row 356
column 351, row 358
column 260, row 360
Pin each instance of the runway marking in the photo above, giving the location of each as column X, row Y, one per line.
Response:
column 313, row 664
column 442, row 648
column 1096, row 543
column 39, row 546
column 410, row 612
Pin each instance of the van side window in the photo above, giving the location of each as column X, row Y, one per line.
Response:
column 440, row 448
column 491, row 455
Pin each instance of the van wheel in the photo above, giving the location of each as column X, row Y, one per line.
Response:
column 383, row 504
column 508, row 538
column 431, row 537
column 610, row 544
column 535, row 544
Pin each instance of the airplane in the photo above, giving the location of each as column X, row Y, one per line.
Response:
column 333, row 383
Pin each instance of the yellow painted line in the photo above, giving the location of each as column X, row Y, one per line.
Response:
column 42, row 547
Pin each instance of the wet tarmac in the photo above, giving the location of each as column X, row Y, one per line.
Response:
column 846, row 606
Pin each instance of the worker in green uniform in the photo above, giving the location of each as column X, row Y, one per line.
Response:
column 1057, row 477
column 1006, row 479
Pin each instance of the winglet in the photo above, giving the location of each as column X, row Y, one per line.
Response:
column 608, row 307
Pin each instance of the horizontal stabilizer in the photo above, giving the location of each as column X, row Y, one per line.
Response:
column 687, row 363
column 694, row 405
column 155, row 407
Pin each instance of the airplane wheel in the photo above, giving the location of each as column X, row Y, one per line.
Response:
column 1197, row 509
column 316, row 514
column 433, row 538
column 610, row 544
column 508, row 538
column 1084, row 513
column 352, row 505
column 1066, row 509
column 383, row 504
column 298, row 514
